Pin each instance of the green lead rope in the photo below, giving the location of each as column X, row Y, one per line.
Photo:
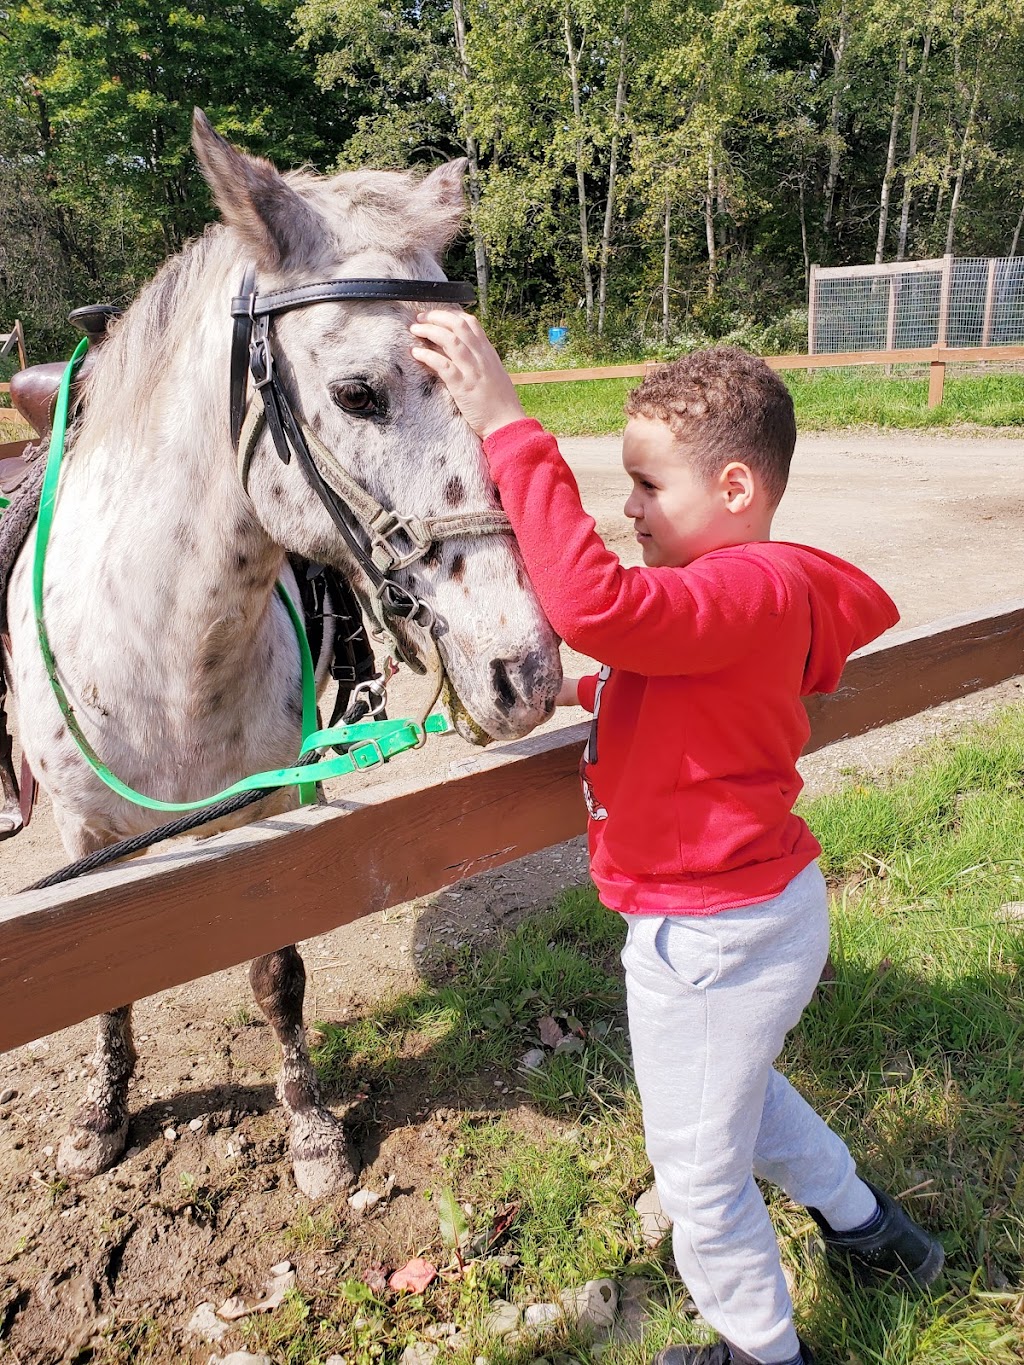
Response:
column 367, row 744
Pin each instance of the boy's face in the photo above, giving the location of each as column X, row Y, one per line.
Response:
column 677, row 513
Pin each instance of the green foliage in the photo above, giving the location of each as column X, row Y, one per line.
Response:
column 651, row 173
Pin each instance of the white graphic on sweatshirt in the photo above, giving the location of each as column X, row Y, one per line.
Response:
column 594, row 807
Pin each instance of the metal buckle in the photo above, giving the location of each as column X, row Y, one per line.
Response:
column 383, row 527
column 367, row 754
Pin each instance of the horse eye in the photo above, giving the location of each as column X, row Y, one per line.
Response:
column 357, row 398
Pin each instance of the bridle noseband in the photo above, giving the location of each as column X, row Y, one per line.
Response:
column 346, row 501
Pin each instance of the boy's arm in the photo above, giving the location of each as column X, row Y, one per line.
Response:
column 653, row 621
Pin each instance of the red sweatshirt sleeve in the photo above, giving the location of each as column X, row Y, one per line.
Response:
column 586, row 691
column 696, row 619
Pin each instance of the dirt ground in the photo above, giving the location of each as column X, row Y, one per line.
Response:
column 938, row 519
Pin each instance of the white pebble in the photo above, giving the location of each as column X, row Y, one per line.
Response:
column 195, row 1125
column 171, row 1134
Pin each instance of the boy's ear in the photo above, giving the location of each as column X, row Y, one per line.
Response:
column 739, row 485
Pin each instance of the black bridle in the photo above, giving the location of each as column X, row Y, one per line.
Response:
column 252, row 352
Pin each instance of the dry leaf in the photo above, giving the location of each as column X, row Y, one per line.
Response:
column 415, row 1275
column 549, row 1032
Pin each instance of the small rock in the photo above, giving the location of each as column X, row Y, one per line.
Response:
column 282, row 1268
column 420, row 1353
column 244, row 1358
column 436, row 1330
column 7, row 1095
column 592, row 1306
column 364, row 1200
column 48, row 1151
column 205, row 1324
column 1010, row 910
column 195, row 1125
column 171, row 1134
column 277, row 1287
column 541, row 1314
column 653, row 1221
column 532, row 1060
column 502, row 1317
column 232, row 1309
column 335, row 1360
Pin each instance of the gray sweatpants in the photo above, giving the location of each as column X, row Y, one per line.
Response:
column 711, row 999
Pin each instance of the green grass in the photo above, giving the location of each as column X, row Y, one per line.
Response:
column 824, row 401
column 914, row 1053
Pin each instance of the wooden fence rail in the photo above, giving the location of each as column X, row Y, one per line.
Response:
column 184, row 911
column 936, row 357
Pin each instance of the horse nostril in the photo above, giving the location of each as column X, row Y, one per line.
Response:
column 533, row 671
column 503, row 685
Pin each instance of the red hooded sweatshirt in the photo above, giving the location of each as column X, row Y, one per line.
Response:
column 690, row 772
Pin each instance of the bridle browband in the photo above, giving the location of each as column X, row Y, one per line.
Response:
column 346, row 501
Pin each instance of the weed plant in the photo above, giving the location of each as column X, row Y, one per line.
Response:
column 913, row 1052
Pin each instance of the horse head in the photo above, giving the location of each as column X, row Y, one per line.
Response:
column 380, row 420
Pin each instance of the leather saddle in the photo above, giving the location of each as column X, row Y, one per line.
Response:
column 34, row 390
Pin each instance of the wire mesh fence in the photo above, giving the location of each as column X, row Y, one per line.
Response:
column 950, row 301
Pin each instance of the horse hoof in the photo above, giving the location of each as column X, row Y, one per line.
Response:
column 84, row 1153
column 10, row 824
column 320, row 1161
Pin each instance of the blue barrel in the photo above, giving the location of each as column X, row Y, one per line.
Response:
column 557, row 336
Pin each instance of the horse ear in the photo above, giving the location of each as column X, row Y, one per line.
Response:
column 280, row 228
column 441, row 195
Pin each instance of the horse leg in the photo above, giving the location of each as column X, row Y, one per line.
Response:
column 10, row 810
column 318, row 1143
column 100, row 1127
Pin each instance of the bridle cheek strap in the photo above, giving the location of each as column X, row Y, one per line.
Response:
column 393, row 541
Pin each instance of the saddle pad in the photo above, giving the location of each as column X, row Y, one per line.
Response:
column 16, row 521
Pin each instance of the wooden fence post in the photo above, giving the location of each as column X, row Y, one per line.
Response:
column 936, row 383
column 812, row 310
column 990, row 295
column 19, row 332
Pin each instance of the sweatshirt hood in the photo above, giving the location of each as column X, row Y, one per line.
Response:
column 848, row 610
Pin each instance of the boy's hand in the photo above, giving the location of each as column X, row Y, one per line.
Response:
column 465, row 360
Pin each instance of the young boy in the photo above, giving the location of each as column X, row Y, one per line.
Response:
column 690, row 777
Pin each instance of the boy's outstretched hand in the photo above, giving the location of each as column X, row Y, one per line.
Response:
column 465, row 360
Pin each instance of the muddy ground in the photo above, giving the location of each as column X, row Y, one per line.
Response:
column 938, row 519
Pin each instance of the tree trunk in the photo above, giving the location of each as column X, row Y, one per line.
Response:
column 803, row 237
column 483, row 273
column 890, row 156
column 915, row 119
column 1016, row 234
column 709, row 225
column 839, row 49
column 581, row 185
column 609, row 208
column 962, row 168
column 665, row 269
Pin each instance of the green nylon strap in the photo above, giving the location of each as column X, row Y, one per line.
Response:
column 369, row 743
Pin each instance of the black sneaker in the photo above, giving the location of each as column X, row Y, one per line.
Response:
column 897, row 1246
column 719, row 1354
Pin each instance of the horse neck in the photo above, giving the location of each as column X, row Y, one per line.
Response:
column 168, row 524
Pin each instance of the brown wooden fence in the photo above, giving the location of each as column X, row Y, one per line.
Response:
column 185, row 911
column 935, row 357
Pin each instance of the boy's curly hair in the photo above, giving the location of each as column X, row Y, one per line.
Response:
column 725, row 405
